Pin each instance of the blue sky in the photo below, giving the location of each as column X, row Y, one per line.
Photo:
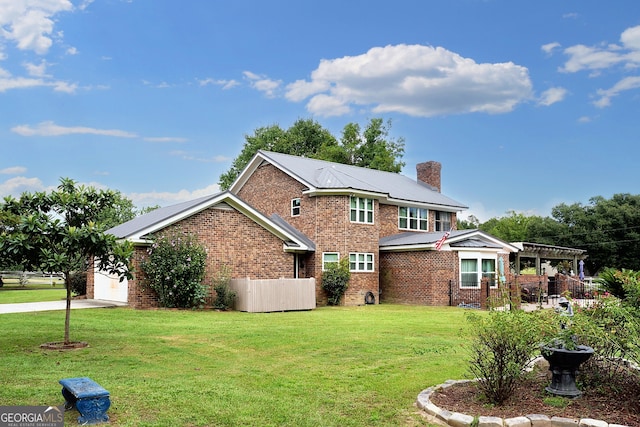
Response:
column 527, row 104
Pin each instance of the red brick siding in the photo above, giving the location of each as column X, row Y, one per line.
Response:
column 324, row 219
column 420, row 277
column 231, row 239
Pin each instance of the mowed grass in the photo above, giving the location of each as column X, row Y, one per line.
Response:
column 332, row 366
column 9, row 295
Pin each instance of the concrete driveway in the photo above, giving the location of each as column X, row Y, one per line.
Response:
column 57, row 305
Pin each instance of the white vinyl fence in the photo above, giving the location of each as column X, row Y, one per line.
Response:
column 260, row 296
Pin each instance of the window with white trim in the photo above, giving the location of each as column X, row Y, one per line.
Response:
column 443, row 221
column 329, row 258
column 295, row 207
column 476, row 266
column 361, row 210
column 359, row 262
column 412, row 218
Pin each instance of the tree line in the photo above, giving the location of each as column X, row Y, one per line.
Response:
column 608, row 229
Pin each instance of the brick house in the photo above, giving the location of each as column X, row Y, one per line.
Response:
column 287, row 216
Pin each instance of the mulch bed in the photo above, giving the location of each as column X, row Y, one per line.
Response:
column 619, row 405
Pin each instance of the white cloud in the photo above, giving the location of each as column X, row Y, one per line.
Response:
column 416, row 80
column 29, row 24
column 552, row 95
column 628, row 83
column 20, row 184
column 263, row 84
column 550, row 47
column 37, row 70
column 604, row 56
column 142, row 200
column 15, row 170
column 49, row 128
column 226, row 84
column 9, row 82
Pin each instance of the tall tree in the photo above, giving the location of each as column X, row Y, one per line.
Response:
column 57, row 232
column 609, row 229
column 372, row 147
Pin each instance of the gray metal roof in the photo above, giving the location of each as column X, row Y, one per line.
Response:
column 415, row 240
column 139, row 228
column 321, row 175
column 300, row 235
column 156, row 216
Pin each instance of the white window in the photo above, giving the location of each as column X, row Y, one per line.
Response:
column 412, row 218
column 443, row 221
column 295, row 207
column 329, row 258
column 474, row 267
column 361, row 210
column 360, row 262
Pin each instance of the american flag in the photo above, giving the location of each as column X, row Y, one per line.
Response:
column 440, row 241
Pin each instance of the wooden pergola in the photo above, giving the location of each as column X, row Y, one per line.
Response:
column 540, row 252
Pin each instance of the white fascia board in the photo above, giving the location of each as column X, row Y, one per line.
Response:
column 344, row 192
column 407, row 248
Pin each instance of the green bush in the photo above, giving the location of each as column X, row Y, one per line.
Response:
column 174, row 269
column 503, row 344
column 335, row 280
column 624, row 284
column 612, row 329
column 225, row 297
column 78, row 283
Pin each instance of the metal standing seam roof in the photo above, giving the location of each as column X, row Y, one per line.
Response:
column 457, row 239
column 162, row 217
column 156, row 216
column 323, row 175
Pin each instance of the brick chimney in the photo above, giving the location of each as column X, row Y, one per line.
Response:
column 429, row 173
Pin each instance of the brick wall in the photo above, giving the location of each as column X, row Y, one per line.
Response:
column 325, row 220
column 419, row 277
column 231, row 239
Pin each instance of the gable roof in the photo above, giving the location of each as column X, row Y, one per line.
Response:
column 322, row 177
column 458, row 239
column 139, row 229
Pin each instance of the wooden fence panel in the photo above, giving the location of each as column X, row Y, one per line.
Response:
column 261, row 296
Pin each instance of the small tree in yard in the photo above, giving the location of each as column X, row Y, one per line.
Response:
column 174, row 269
column 58, row 233
column 335, row 280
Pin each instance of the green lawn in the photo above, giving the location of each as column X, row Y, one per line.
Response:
column 10, row 295
column 333, row 366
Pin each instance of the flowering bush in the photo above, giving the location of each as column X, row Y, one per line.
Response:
column 174, row 269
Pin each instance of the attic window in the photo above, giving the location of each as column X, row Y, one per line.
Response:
column 295, row 207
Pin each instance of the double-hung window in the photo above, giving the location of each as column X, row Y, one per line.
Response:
column 329, row 258
column 295, row 207
column 412, row 218
column 361, row 210
column 474, row 267
column 359, row 262
column 443, row 221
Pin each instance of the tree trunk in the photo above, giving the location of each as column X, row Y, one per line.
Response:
column 67, row 282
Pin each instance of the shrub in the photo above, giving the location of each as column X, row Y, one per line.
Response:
column 78, row 283
column 504, row 343
column 612, row 329
column 624, row 284
column 174, row 269
column 335, row 280
column 225, row 297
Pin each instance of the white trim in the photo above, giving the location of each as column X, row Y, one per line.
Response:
column 327, row 253
column 366, row 263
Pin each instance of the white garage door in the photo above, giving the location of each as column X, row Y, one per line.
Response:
column 109, row 287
